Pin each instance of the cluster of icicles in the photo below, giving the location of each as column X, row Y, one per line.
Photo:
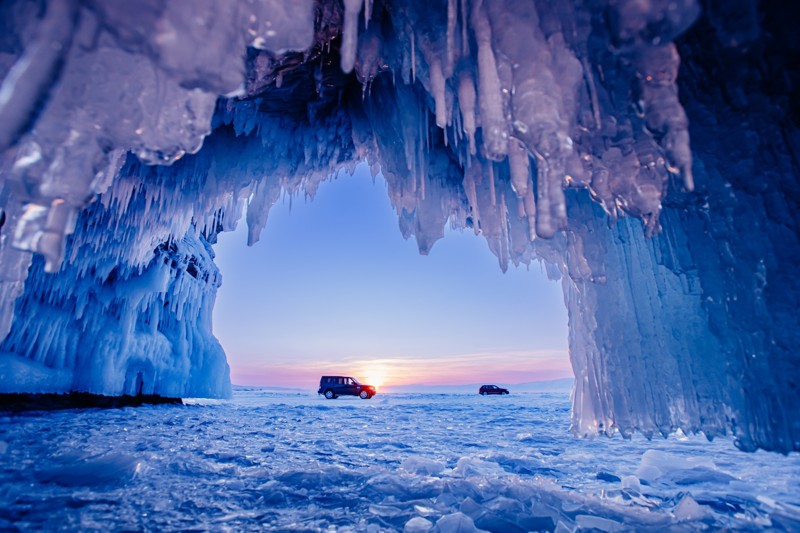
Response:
column 531, row 98
column 559, row 95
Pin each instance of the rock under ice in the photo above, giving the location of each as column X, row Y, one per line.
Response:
column 132, row 134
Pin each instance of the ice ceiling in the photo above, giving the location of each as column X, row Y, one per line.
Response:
column 132, row 133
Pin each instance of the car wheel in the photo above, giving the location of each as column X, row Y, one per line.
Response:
column 483, row 393
column 329, row 394
column 506, row 393
column 364, row 395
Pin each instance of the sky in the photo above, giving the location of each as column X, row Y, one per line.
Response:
column 333, row 288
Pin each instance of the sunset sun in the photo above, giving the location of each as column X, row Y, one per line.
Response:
column 375, row 377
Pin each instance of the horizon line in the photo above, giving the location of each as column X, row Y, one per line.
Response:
column 421, row 384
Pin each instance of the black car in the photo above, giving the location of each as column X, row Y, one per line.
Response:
column 335, row 386
column 491, row 389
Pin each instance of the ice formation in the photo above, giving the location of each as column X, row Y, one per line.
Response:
column 558, row 130
column 426, row 464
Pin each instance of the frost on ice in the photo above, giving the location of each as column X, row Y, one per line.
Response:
column 559, row 131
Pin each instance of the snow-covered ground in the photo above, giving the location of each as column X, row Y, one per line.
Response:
column 271, row 461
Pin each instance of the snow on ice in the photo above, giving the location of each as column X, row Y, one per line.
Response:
column 641, row 150
column 412, row 463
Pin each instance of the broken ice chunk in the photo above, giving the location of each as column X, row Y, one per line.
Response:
column 456, row 523
column 689, row 509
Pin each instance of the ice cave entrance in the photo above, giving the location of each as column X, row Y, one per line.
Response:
column 332, row 287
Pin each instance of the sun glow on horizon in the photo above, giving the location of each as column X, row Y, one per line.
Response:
column 376, row 378
column 388, row 373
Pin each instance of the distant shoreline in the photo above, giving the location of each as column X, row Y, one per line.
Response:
column 17, row 402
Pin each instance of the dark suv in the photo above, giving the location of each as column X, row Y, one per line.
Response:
column 335, row 386
column 491, row 389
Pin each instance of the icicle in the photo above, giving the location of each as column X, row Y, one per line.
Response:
column 458, row 128
column 504, row 239
column 27, row 82
column 423, row 162
column 413, row 59
column 418, row 143
column 657, row 68
column 529, row 210
column 472, row 195
column 367, row 12
column 464, row 38
column 426, row 131
column 492, row 192
column 422, row 179
column 452, row 18
column 258, row 208
column 589, row 77
column 544, row 224
column 519, row 166
column 437, row 86
column 466, row 103
column 493, row 124
column 688, row 178
column 350, row 34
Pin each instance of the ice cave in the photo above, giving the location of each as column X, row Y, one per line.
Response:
column 646, row 151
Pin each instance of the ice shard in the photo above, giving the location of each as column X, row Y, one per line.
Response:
column 646, row 152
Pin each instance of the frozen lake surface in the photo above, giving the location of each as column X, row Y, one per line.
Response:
column 268, row 461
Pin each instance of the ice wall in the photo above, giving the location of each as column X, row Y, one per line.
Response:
column 100, row 325
column 721, row 354
column 559, row 131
